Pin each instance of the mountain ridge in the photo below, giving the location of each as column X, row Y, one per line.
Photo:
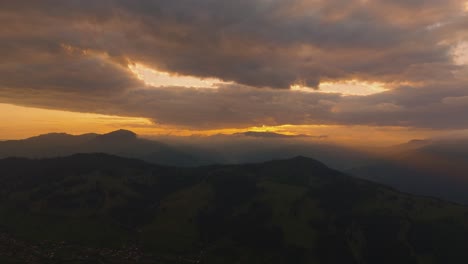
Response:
column 434, row 168
column 120, row 142
column 272, row 212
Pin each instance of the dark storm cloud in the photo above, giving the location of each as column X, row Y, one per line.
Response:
column 258, row 43
column 74, row 55
column 434, row 107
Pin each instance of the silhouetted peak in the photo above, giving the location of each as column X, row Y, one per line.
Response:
column 419, row 141
column 58, row 136
column 302, row 158
column 51, row 135
column 414, row 144
column 268, row 135
column 264, row 134
column 301, row 161
column 121, row 134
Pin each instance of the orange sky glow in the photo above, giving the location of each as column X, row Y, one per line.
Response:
column 361, row 73
column 17, row 122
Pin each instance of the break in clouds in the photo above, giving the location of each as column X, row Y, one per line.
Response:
column 75, row 55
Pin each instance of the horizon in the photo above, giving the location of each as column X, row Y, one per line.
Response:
column 249, row 133
column 15, row 125
column 348, row 72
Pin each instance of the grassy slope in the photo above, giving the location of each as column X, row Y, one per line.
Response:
column 294, row 211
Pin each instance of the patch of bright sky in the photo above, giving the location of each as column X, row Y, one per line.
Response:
column 437, row 25
column 156, row 78
column 460, row 53
column 351, row 87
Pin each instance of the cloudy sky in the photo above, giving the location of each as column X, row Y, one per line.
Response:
column 346, row 68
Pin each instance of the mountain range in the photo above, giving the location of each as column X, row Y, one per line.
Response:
column 121, row 142
column 99, row 208
column 219, row 149
column 425, row 167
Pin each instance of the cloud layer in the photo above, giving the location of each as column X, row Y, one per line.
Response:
column 75, row 55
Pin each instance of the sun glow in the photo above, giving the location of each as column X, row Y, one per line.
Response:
column 157, row 78
column 353, row 136
column 18, row 122
column 351, row 87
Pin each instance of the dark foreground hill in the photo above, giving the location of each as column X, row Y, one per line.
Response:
column 96, row 208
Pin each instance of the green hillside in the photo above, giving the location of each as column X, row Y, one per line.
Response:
column 106, row 209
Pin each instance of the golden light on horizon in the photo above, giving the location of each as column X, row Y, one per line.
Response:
column 18, row 122
column 352, row 136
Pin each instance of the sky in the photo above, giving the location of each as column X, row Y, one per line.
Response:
column 356, row 71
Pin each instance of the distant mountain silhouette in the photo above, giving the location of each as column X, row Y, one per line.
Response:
column 91, row 208
column 122, row 135
column 270, row 135
column 227, row 149
column 121, row 142
column 426, row 167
